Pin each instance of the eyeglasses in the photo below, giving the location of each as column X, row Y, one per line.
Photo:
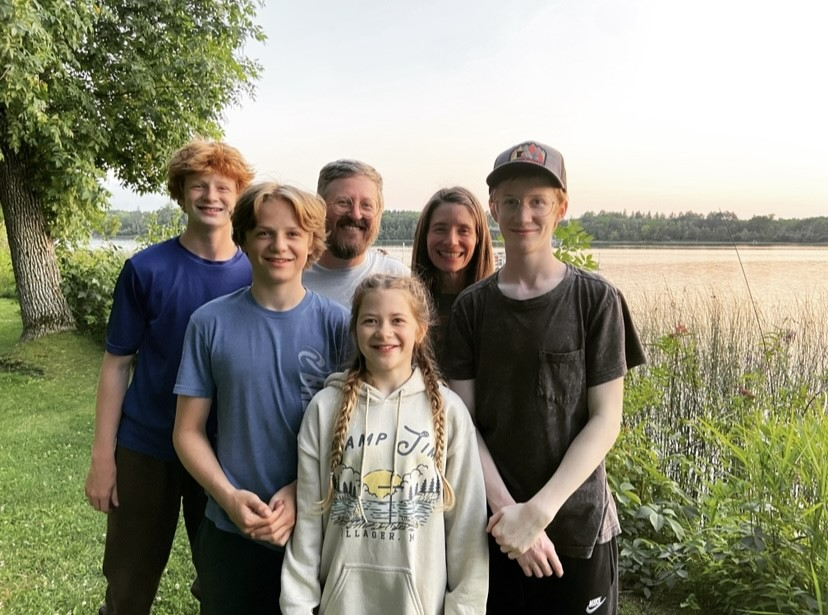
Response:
column 345, row 205
column 537, row 205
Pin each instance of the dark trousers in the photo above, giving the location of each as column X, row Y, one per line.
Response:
column 587, row 585
column 238, row 576
column 140, row 531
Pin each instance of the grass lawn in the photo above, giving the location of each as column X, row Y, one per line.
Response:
column 51, row 540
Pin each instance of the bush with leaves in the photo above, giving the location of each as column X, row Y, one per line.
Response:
column 88, row 279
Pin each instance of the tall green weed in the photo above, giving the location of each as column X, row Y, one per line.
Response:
column 720, row 473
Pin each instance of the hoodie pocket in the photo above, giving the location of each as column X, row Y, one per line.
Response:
column 371, row 589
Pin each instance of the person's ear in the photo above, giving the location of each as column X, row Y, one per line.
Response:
column 493, row 210
column 563, row 205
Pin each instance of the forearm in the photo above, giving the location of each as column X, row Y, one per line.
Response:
column 195, row 451
column 112, row 387
column 587, row 451
column 497, row 494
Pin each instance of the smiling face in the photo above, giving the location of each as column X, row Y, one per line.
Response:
column 386, row 332
column 451, row 238
column 209, row 199
column 277, row 246
column 525, row 224
column 353, row 216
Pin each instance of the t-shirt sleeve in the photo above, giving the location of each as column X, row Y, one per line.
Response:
column 127, row 318
column 195, row 374
column 459, row 352
column 613, row 346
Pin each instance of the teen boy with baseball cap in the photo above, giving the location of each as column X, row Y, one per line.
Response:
column 538, row 352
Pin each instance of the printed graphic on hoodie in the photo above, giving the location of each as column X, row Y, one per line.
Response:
column 373, row 499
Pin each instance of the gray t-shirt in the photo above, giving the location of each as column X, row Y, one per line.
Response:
column 532, row 362
column 340, row 284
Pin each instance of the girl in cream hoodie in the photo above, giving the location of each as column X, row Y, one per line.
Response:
column 391, row 508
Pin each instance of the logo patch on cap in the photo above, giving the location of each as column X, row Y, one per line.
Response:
column 530, row 152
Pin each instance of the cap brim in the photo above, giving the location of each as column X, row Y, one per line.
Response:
column 514, row 168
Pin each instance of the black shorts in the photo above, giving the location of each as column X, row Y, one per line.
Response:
column 588, row 586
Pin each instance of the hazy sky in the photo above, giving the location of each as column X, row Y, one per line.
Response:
column 656, row 105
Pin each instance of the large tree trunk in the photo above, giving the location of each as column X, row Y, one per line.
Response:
column 42, row 305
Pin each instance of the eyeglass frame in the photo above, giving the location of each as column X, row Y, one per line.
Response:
column 511, row 210
column 344, row 205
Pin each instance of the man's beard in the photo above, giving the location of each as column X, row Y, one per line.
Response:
column 353, row 248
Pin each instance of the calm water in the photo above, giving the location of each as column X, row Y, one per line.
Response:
column 767, row 274
column 772, row 275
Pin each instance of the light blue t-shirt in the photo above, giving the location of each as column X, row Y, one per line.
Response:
column 264, row 366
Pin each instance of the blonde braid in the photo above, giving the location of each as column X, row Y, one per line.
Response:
column 350, row 392
column 426, row 363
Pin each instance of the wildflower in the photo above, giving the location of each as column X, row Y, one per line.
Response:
column 746, row 393
column 680, row 329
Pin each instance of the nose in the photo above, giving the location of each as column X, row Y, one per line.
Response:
column 211, row 193
column 524, row 213
column 276, row 242
column 354, row 211
column 383, row 329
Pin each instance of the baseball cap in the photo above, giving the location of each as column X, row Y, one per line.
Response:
column 527, row 155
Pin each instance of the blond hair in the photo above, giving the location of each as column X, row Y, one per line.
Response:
column 419, row 301
column 309, row 209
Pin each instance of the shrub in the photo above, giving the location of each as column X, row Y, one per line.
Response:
column 88, row 280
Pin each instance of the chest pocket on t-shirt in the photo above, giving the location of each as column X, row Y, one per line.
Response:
column 560, row 378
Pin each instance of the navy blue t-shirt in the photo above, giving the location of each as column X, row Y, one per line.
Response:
column 157, row 291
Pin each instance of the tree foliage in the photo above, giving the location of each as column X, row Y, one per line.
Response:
column 91, row 88
column 714, row 227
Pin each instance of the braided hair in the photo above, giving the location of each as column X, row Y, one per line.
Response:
column 423, row 357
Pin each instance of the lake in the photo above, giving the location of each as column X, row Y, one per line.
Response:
column 772, row 275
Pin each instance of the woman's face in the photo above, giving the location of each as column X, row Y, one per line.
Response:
column 451, row 237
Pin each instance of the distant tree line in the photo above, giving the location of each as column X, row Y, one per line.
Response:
column 689, row 227
column 610, row 227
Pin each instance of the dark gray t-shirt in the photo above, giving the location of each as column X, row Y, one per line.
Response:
column 532, row 361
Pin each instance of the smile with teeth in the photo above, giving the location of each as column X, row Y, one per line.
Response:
column 452, row 254
column 384, row 347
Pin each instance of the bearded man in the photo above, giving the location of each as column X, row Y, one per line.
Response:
column 352, row 191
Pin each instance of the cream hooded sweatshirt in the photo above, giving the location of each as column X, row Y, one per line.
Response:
column 385, row 546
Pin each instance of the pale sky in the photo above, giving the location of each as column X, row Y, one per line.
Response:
column 656, row 105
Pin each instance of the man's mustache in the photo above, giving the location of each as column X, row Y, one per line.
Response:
column 361, row 224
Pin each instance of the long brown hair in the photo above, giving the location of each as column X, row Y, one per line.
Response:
column 481, row 264
column 423, row 356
